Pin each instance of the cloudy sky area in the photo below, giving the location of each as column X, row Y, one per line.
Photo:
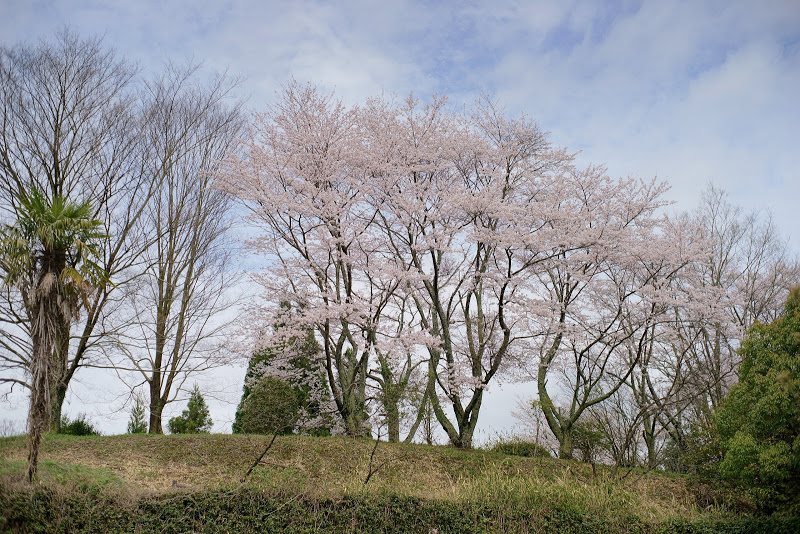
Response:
column 690, row 92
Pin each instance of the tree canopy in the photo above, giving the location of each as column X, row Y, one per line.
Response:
column 759, row 422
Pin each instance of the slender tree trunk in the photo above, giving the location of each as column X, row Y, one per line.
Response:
column 156, row 406
column 37, row 419
column 58, row 376
column 56, row 409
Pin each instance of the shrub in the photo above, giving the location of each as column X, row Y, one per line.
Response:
column 589, row 440
column 271, row 407
column 297, row 363
column 521, row 448
column 79, row 426
column 759, row 422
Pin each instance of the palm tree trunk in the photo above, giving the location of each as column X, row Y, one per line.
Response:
column 37, row 420
column 41, row 363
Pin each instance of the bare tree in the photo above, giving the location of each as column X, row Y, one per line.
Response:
column 68, row 129
column 179, row 300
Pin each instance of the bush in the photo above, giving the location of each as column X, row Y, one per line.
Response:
column 759, row 422
column 700, row 453
column 271, row 407
column 194, row 419
column 521, row 448
column 79, row 426
column 589, row 440
column 298, row 363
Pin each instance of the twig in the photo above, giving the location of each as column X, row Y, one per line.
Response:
column 258, row 461
column 630, row 470
column 636, row 479
column 372, row 468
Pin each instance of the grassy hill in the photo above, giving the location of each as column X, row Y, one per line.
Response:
column 193, row 483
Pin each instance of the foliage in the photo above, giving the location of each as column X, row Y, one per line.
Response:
column 316, row 484
column 137, row 424
column 699, row 453
column 412, row 237
column 251, row 511
column 296, row 363
column 515, row 447
column 80, row 426
column 589, row 440
column 272, row 407
column 759, row 423
column 194, row 419
column 70, row 132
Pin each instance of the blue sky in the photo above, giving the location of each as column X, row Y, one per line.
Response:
column 690, row 92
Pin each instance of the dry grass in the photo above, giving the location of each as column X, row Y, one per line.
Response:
column 336, row 467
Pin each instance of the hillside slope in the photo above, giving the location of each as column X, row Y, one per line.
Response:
column 194, row 483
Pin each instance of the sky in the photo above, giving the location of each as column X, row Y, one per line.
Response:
column 689, row 92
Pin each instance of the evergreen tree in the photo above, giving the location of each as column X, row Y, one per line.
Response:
column 759, row 422
column 137, row 424
column 194, row 419
column 50, row 255
column 271, row 408
column 296, row 364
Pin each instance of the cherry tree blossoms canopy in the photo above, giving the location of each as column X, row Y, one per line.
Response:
column 432, row 249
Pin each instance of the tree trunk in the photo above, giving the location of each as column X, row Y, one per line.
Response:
column 156, row 408
column 354, row 425
column 59, row 380
column 56, row 408
column 465, row 435
column 565, row 445
column 650, row 443
column 37, row 420
column 155, row 419
column 393, row 423
column 42, row 340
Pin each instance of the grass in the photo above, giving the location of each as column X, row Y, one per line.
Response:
column 305, row 484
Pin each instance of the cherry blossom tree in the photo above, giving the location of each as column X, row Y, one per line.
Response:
column 385, row 226
column 749, row 266
column 432, row 250
column 411, row 237
column 591, row 303
column 298, row 180
column 460, row 195
column 741, row 277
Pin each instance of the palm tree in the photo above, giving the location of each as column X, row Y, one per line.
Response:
column 48, row 255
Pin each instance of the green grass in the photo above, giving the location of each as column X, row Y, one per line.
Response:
column 193, row 483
